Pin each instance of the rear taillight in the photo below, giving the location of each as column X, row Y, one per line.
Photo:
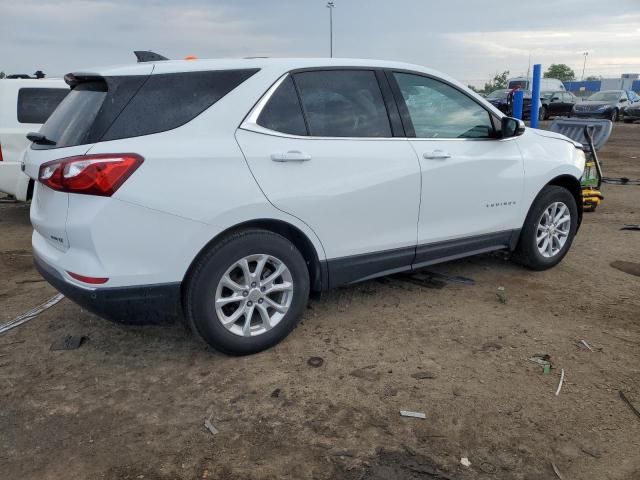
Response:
column 1, row 153
column 100, row 174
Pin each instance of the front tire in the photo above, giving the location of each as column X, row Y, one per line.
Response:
column 247, row 293
column 549, row 229
column 615, row 115
column 543, row 113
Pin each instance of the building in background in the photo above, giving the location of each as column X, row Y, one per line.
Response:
column 584, row 88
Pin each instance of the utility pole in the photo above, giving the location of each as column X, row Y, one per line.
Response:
column 330, row 6
column 586, row 54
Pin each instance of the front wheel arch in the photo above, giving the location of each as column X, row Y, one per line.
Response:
column 569, row 182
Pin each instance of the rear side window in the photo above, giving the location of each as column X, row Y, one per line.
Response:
column 343, row 103
column 120, row 107
column 283, row 112
column 168, row 101
column 35, row 105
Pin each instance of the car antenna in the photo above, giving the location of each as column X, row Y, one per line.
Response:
column 148, row 56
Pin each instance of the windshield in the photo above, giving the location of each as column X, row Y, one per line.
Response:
column 605, row 97
column 498, row 94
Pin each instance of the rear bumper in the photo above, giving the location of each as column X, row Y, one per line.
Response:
column 139, row 305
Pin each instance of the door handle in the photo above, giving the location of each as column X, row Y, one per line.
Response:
column 291, row 156
column 436, row 155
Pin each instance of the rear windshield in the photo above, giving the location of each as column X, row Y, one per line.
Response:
column 129, row 106
column 35, row 105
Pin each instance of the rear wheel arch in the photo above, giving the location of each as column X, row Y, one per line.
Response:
column 317, row 269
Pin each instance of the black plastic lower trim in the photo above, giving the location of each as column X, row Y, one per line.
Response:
column 459, row 248
column 139, row 305
column 357, row 268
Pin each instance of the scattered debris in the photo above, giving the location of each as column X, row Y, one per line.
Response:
column 628, row 402
column 422, row 280
column 561, row 381
column 465, row 462
column 502, row 297
column 542, row 359
column 490, row 346
column 631, row 268
column 451, row 278
column 209, row 426
column 34, row 312
column 629, row 226
column 584, row 342
column 591, row 453
column 556, row 471
column 547, row 369
column 343, row 453
column 276, row 393
column 488, row 467
column 365, row 374
column 621, row 181
column 70, row 342
column 407, row 413
column 423, row 375
column 315, row 362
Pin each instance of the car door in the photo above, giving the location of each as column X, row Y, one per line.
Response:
column 556, row 103
column 321, row 146
column 472, row 181
column 568, row 103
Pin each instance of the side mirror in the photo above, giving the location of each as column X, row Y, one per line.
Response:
column 511, row 127
column 555, row 99
column 622, row 100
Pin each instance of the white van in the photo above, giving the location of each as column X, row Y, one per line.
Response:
column 25, row 104
column 546, row 84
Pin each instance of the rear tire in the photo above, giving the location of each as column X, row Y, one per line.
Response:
column 547, row 236
column 228, row 292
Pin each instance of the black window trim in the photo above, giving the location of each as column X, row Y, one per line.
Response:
column 26, row 88
column 404, row 111
column 250, row 122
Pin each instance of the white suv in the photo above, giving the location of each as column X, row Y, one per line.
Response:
column 25, row 104
column 224, row 191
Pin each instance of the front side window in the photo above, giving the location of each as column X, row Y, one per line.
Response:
column 35, row 105
column 438, row 110
column 282, row 112
column 343, row 103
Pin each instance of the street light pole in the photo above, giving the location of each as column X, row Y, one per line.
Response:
column 330, row 6
column 586, row 54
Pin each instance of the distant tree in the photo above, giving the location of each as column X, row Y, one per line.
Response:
column 471, row 87
column 591, row 78
column 2, row 75
column 498, row 82
column 560, row 71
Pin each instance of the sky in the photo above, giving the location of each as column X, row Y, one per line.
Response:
column 470, row 40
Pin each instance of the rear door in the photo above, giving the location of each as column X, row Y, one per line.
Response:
column 321, row 145
column 472, row 180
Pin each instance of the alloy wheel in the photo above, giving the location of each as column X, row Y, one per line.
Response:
column 254, row 295
column 553, row 229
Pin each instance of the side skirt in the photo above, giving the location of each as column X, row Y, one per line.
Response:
column 358, row 268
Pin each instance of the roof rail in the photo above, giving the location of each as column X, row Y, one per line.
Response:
column 148, row 56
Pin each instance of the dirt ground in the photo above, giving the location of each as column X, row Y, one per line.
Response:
column 130, row 403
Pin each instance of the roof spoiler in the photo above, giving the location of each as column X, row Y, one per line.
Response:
column 73, row 79
column 148, row 56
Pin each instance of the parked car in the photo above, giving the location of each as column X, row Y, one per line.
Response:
column 631, row 113
column 25, row 104
column 605, row 104
column 229, row 189
column 559, row 103
column 546, row 84
column 502, row 101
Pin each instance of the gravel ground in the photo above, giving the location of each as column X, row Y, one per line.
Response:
column 130, row 403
